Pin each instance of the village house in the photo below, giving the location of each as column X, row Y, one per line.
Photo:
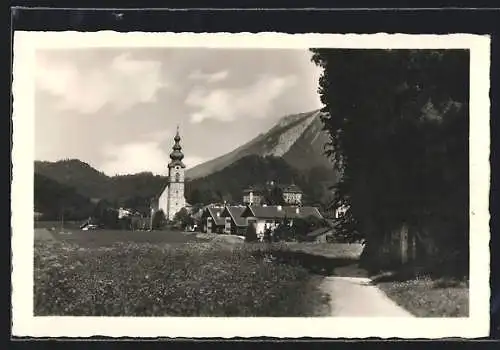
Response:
column 212, row 220
column 269, row 217
column 235, row 224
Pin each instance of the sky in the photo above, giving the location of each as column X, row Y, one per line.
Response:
column 118, row 109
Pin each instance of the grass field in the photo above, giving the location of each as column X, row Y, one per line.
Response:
column 140, row 273
column 160, row 273
column 100, row 238
column 424, row 296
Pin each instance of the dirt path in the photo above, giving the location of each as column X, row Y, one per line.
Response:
column 355, row 296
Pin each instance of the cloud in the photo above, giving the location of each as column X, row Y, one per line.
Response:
column 146, row 154
column 135, row 157
column 210, row 78
column 225, row 105
column 120, row 84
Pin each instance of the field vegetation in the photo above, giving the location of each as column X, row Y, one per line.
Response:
column 81, row 275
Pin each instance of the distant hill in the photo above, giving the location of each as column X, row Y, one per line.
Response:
column 52, row 198
column 94, row 184
column 77, row 174
column 298, row 139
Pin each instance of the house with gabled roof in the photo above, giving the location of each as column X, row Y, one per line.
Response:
column 212, row 221
column 269, row 217
column 235, row 224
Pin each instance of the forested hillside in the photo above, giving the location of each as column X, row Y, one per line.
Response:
column 227, row 184
column 53, row 199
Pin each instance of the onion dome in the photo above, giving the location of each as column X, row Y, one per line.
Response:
column 176, row 156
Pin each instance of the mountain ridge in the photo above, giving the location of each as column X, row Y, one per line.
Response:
column 291, row 133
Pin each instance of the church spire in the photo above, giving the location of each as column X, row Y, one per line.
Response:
column 177, row 156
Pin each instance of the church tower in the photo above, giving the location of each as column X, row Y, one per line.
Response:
column 176, row 168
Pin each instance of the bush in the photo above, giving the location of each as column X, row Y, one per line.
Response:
column 201, row 279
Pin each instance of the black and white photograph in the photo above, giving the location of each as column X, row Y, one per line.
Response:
column 224, row 183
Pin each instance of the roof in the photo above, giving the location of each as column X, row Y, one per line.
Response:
column 256, row 189
column 235, row 213
column 275, row 211
column 292, row 189
column 161, row 190
column 212, row 212
column 302, row 212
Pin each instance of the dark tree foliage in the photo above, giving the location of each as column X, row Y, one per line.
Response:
column 183, row 219
column 268, row 235
column 398, row 125
column 109, row 219
column 159, row 220
column 302, row 226
column 274, row 196
column 251, row 234
column 54, row 199
column 297, row 229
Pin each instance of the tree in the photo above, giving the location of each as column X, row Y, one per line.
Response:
column 398, row 126
column 268, row 235
column 159, row 220
column 109, row 219
column 251, row 234
column 183, row 219
column 274, row 196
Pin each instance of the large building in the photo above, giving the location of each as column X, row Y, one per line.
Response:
column 171, row 200
column 254, row 195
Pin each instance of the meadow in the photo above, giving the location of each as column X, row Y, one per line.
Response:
column 172, row 273
column 123, row 273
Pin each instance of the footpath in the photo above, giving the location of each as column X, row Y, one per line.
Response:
column 357, row 297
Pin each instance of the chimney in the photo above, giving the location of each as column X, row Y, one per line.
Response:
column 218, row 214
column 297, row 210
column 280, row 207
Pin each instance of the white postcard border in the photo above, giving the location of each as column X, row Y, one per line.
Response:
column 25, row 324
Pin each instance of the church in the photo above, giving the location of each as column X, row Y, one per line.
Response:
column 171, row 200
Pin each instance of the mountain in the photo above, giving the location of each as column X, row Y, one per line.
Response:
column 298, row 139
